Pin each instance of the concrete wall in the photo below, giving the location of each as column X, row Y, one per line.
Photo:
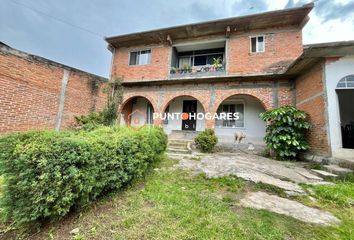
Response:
column 335, row 70
column 37, row 93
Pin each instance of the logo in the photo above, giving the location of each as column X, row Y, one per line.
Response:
column 137, row 119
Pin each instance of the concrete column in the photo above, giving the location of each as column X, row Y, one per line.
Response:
column 60, row 112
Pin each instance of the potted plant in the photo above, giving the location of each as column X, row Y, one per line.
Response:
column 173, row 70
column 217, row 63
column 187, row 68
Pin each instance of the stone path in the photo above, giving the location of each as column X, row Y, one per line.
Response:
column 261, row 200
column 284, row 175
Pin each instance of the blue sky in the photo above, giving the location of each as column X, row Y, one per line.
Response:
column 36, row 33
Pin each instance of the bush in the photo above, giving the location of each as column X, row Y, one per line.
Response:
column 206, row 140
column 285, row 133
column 47, row 174
column 90, row 121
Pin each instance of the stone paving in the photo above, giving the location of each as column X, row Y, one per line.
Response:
column 284, row 175
column 261, row 200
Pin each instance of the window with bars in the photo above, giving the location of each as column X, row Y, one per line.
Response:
column 257, row 44
column 140, row 57
column 231, row 108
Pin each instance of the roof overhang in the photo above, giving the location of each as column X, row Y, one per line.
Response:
column 314, row 53
column 294, row 17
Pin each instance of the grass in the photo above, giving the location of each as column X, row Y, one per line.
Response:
column 175, row 204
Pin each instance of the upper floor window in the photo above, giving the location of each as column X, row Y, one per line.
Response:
column 140, row 57
column 257, row 44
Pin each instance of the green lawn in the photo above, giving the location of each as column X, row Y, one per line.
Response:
column 175, row 204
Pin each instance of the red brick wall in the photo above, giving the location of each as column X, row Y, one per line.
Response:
column 158, row 69
column 212, row 95
column 310, row 97
column 281, row 48
column 30, row 88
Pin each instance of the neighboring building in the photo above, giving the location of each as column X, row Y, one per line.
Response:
column 37, row 93
column 176, row 70
column 324, row 88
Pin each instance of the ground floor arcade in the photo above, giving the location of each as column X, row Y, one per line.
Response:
column 142, row 105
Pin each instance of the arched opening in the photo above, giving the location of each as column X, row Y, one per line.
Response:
column 345, row 93
column 248, row 123
column 137, row 111
column 183, row 104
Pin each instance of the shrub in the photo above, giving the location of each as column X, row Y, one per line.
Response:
column 285, row 133
column 47, row 174
column 206, row 140
column 90, row 121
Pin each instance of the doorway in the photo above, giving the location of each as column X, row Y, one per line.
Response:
column 190, row 106
column 346, row 112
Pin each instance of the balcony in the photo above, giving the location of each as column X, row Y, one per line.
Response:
column 198, row 60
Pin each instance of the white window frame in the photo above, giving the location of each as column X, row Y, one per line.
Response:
column 139, row 52
column 264, row 43
column 235, row 101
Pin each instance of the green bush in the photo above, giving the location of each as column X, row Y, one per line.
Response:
column 206, row 140
column 47, row 174
column 90, row 121
column 285, row 133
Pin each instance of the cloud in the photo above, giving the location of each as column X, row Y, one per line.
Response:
column 329, row 10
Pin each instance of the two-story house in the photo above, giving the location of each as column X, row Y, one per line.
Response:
column 242, row 65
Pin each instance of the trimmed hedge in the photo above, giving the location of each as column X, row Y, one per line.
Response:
column 47, row 174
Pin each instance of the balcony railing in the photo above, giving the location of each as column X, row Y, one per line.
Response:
column 197, row 71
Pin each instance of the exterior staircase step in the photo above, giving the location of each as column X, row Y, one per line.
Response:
column 179, row 150
column 335, row 169
column 322, row 173
column 344, row 163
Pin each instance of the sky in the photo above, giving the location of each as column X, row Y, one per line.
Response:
column 72, row 31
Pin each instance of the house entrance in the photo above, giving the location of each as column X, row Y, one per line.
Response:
column 345, row 93
column 189, row 106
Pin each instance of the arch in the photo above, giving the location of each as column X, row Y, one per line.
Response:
column 127, row 108
column 249, row 124
column 127, row 98
column 264, row 98
column 346, row 82
column 178, row 95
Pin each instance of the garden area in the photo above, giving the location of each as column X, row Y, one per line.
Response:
column 103, row 181
column 171, row 203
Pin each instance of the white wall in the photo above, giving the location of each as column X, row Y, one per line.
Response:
column 254, row 127
column 333, row 73
column 176, row 106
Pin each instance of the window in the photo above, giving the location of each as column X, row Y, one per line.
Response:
column 200, row 57
column 257, row 44
column 232, row 108
column 140, row 57
column 346, row 82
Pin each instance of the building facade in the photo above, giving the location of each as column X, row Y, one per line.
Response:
column 229, row 65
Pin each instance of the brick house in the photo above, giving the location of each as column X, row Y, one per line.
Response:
column 245, row 64
column 175, row 70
